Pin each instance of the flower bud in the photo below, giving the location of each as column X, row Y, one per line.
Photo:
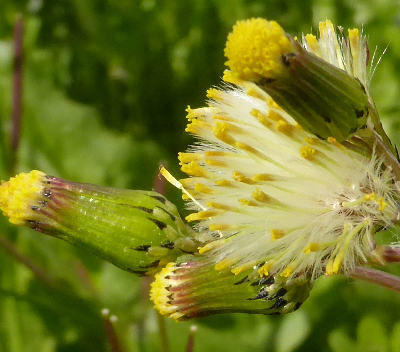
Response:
column 192, row 287
column 135, row 230
column 324, row 99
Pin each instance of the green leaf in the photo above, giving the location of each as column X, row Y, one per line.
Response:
column 395, row 341
column 339, row 341
column 292, row 332
column 371, row 335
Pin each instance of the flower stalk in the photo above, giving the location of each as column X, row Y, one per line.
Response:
column 17, row 90
column 377, row 277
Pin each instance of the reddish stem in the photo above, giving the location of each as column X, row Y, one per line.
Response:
column 391, row 254
column 377, row 277
column 112, row 337
column 17, row 89
column 190, row 341
column 159, row 181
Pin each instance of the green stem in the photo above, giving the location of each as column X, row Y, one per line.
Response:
column 9, row 247
column 9, row 308
column 164, row 342
column 159, row 186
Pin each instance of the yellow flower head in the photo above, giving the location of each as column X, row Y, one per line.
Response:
column 255, row 47
column 19, row 194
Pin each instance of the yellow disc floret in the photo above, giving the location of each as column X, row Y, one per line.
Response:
column 18, row 195
column 159, row 292
column 255, row 47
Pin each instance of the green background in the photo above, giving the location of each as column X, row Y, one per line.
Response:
column 106, row 83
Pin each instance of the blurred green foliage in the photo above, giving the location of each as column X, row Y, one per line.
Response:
column 106, row 83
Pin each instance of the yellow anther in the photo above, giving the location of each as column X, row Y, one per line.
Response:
column 298, row 126
column 336, row 260
column 354, row 37
column 313, row 44
column 329, row 268
column 199, row 187
column 221, row 131
column 214, row 162
column 19, row 194
column 325, row 26
column 199, row 113
column 224, row 264
column 201, row 215
column 194, row 169
column 312, row 247
column 287, row 272
column 215, row 94
column 273, row 104
column 247, row 202
column 381, row 204
column 275, row 116
column 262, row 177
column 237, row 176
column 239, row 269
column 260, row 196
column 262, row 118
column 333, row 140
column 276, row 234
column 224, row 183
column 197, row 126
column 191, row 115
column 210, row 246
column 264, row 270
column 215, row 153
column 185, row 158
column 220, row 117
column 256, row 93
column 254, row 49
column 369, row 197
column 283, row 126
column 274, row 112
column 219, row 227
column 229, row 77
column 307, row 152
column 219, row 206
column 188, row 109
column 311, row 140
column 187, row 182
column 245, row 147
